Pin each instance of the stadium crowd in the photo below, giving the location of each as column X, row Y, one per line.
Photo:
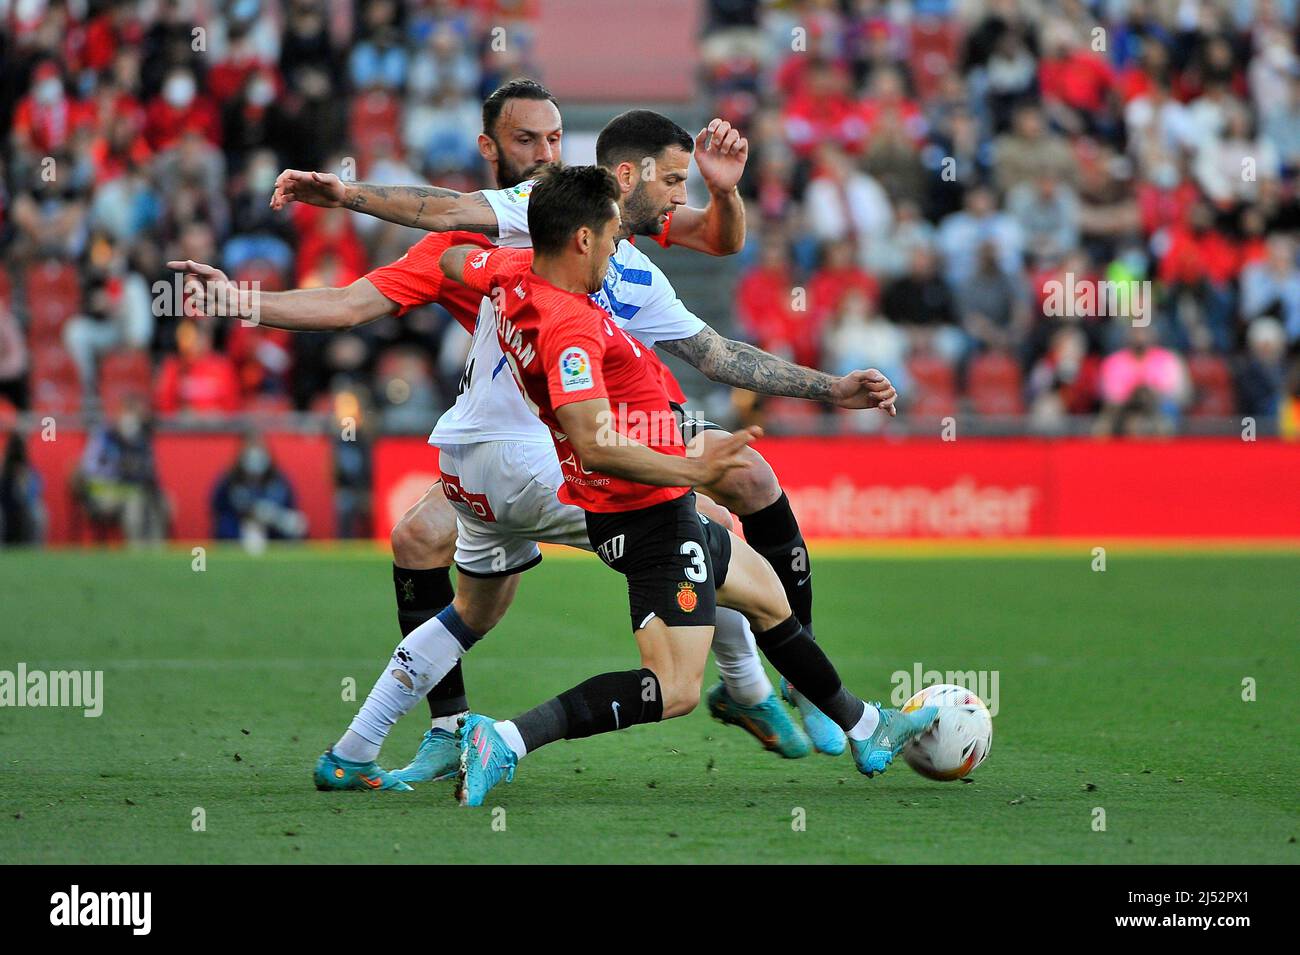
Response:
column 920, row 175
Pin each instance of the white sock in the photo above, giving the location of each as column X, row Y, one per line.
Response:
column 738, row 661
column 355, row 749
column 507, row 730
column 424, row 657
column 864, row 727
column 448, row 723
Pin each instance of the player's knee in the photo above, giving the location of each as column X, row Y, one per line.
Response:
column 681, row 694
column 424, row 538
column 714, row 511
column 747, row 489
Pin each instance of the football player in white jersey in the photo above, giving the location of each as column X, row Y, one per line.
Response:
column 654, row 204
column 486, row 444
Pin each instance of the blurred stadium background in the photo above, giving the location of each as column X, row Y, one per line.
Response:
column 921, row 174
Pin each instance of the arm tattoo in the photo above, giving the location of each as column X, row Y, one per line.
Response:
column 744, row 366
column 395, row 203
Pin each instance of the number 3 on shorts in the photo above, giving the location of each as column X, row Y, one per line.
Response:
column 699, row 570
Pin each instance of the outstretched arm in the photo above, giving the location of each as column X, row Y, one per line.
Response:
column 209, row 292
column 744, row 366
column 431, row 208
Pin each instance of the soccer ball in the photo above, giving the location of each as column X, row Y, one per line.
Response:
column 960, row 738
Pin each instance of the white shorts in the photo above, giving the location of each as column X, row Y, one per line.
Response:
column 504, row 496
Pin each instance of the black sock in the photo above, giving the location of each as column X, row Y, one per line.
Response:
column 421, row 596
column 608, row 702
column 775, row 534
column 790, row 648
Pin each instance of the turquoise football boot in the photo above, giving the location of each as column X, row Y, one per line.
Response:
column 334, row 772
column 768, row 722
column 438, row 758
column 896, row 730
column 485, row 759
column 825, row 734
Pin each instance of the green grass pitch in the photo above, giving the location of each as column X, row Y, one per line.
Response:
column 1119, row 691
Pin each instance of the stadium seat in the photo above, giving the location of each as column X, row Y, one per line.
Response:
column 259, row 405
column 1212, row 391
column 54, row 384
column 53, row 295
column 994, row 385
column 123, row 375
column 934, row 387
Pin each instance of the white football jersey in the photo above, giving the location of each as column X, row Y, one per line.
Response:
column 636, row 294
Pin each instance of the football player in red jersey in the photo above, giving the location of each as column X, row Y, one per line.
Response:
column 655, row 205
column 626, row 465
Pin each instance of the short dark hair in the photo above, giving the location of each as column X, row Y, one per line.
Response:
column 521, row 88
column 636, row 134
column 566, row 198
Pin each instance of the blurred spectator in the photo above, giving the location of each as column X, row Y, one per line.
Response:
column 196, row 380
column 858, row 337
column 990, row 303
column 116, row 482
column 1065, row 381
column 765, row 301
column 1047, row 214
column 116, row 314
column 962, row 233
column 1143, row 387
column 351, row 468
column 22, row 511
column 379, row 61
column 1262, row 372
column 1200, row 263
column 179, row 109
column 845, row 203
column 254, row 503
column 922, row 302
column 1029, row 151
column 1272, row 287
column 13, row 359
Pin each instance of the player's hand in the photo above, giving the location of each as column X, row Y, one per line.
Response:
column 865, row 389
column 207, row 290
column 314, row 188
column 721, row 153
column 718, row 457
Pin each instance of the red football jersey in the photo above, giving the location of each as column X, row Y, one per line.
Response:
column 416, row 278
column 562, row 348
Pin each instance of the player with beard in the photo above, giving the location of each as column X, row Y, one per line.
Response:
column 650, row 155
column 489, row 440
column 604, row 400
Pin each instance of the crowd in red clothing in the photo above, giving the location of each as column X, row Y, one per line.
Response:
column 924, row 178
column 139, row 133
column 928, row 175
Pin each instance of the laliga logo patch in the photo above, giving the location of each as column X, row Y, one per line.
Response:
column 575, row 370
column 687, row 599
column 521, row 192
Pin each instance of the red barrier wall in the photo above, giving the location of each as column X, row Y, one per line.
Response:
column 975, row 488
column 402, row 469
column 189, row 466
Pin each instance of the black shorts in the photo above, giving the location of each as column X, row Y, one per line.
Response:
column 689, row 425
column 673, row 558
